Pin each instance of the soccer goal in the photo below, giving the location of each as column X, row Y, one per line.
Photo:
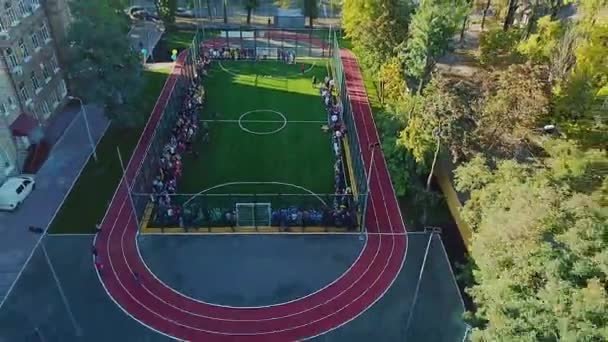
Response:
column 253, row 214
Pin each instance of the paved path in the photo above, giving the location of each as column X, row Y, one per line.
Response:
column 163, row 309
column 53, row 183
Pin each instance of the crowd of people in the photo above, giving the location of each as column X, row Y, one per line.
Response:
column 181, row 140
column 340, row 212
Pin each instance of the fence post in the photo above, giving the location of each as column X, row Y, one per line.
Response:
column 255, row 221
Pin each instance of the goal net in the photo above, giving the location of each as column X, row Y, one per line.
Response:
column 253, row 214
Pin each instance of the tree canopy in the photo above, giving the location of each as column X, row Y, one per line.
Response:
column 102, row 67
column 540, row 248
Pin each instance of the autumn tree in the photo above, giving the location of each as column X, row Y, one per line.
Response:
column 514, row 105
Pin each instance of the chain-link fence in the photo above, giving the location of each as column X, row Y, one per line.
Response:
column 208, row 210
column 352, row 141
column 268, row 42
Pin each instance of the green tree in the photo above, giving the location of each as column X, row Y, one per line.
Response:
column 540, row 46
column 311, row 10
column 497, row 46
column 250, row 5
column 102, row 67
column 375, row 27
column 442, row 117
column 166, row 11
column 431, row 30
column 540, row 250
column 391, row 82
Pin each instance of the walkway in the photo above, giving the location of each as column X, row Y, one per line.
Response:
column 53, row 183
column 173, row 314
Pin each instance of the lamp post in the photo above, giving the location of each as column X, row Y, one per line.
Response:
column 372, row 147
column 86, row 122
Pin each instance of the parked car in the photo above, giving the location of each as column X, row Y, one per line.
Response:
column 142, row 13
column 184, row 12
column 15, row 190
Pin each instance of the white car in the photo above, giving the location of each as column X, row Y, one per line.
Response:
column 14, row 191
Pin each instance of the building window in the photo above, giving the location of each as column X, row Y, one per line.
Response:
column 54, row 64
column 25, row 52
column 10, row 13
column 63, row 89
column 3, row 109
column 56, row 96
column 3, row 26
column 45, row 71
column 22, row 10
column 11, row 57
column 34, row 79
column 44, row 32
column 23, row 92
column 35, row 42
column 46, row 110
column 10, row 102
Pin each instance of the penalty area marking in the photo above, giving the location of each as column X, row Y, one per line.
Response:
column 284, row 121
column 228, row 71
column 256, row 183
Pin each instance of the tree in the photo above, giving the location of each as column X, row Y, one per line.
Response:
column 485, row 14
column 497, row 46
column 391, row 84
column 443, row 116
column 166, row 11
column 311, row 10
column 431, row 30
column 510, row 17
column 375, row 28
column 250, row 5
column 102, row 67
column 513, row 107
column 541, row 256
column 540, row 46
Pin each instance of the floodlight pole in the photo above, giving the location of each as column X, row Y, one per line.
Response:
column 426, row 253
column 77, row 329
column 86, row 122
column 124, row 176
column 372, row 147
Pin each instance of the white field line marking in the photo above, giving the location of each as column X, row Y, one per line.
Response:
column 226, row 70
column 268, row 121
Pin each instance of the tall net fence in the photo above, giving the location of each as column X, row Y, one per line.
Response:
column 267, row 42
column 170, row 107
column 353, row 144
column 210, row 210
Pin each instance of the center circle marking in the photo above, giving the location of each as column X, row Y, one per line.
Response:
column 240, row 121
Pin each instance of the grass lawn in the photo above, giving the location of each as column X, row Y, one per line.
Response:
column 298, row 153
column 90, row 196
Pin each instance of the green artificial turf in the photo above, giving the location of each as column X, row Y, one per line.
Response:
column 87, row 202
column 300, row 153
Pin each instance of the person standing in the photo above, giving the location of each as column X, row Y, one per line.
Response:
column 314, row 80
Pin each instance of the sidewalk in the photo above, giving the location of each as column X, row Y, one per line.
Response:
column 53, row 182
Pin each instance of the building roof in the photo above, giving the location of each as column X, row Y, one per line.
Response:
column 23, row 125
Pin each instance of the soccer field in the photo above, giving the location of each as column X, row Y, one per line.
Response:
column 265, row 122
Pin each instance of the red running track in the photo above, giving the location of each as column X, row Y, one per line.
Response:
column 169, row 312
